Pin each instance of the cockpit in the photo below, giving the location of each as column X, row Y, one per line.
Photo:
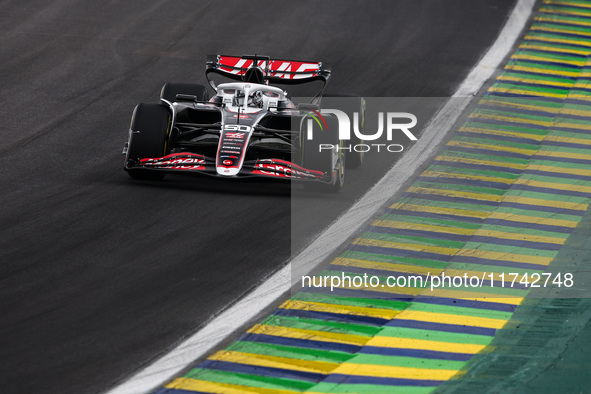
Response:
column 250, row 97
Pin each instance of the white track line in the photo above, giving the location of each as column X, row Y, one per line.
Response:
column 171, row 364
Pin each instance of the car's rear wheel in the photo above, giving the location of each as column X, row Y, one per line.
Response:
column 350, row 105
column 170, row 90
column 150, row 129
column 323, row 153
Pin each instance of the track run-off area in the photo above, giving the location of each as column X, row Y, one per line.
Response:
column 504, row 200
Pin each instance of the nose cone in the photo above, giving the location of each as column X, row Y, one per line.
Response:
column 227, row 171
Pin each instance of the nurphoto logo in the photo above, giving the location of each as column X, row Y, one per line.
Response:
column 394, row 122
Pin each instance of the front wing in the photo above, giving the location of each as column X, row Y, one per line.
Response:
column 192, row 162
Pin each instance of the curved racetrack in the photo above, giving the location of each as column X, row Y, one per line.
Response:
column 100, row 274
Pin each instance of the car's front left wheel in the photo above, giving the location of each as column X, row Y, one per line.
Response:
column 149, row 132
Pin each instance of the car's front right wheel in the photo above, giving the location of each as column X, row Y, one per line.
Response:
column 322, row 152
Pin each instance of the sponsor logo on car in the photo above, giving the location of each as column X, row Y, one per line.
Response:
column 181, row 161
column 283, row 169
column 234, row 135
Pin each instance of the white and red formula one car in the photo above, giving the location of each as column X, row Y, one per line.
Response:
column 248, row 128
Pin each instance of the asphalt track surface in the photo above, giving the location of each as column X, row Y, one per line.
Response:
column 100, row 274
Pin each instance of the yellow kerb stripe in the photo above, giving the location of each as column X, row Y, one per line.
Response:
column 340, row 309
column 524, row 92
column 570, row 21
column 548, row 59
column 568, row 125
column 385, row 371
column 221, row 388
column 480, row 297
column 559, row 30
column 545, row 203
column 528, row 45
column 541, row 70
column 533, row 219
column 440, row 210
column 562, row 11
column 527, row 152
column 556, row 40
column 411, row 269
column 535, row 137
column 423, row 227
column 405, row 246
column 571, row 155
column 408, row 290
column 570, row 140
column 311, row 335
column 520, row 236
column 263, row 360
column 455, row 193
column 477, row 115
column 567, row 3
column 444, row 318
column 560, row 170
column 480, row 162
column 466, row 176
column 502, row 256
column 536, row 81
column 553, row 185
column 573, row 111
column 496, row 276
column 497, row 102
column 421, row 344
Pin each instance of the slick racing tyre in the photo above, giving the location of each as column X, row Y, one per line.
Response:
column 170, row 90
column 323, row 153
column 349, row 105
column 150, row 128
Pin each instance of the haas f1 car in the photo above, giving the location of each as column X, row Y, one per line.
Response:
column 248, row 128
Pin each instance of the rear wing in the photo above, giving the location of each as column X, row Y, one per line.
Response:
column 274, row 70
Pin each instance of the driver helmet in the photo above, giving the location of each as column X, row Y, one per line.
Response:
column 255, row 99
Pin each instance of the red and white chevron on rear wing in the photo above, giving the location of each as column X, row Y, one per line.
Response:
column 288, row 69
column 276, row 70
